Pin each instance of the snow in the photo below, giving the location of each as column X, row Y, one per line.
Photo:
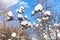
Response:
column 8, row 17
column 21, row 7
column 34, row 38
column 45, row 36
column 47, row 13
column 21, row 11
column 26, row 16
column 29, row 24
column 38, row 7
column 43, row 11
column 45, row 18
column 39, row 20
column 33, row 12
column 23, row 22
column 56, row 24
column 13, row 34
column 20, row 15
column 10, row 13
column 58, row 35
column 9, row 39
column 36, row 25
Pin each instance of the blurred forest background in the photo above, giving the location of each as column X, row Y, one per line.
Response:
column 44, row 30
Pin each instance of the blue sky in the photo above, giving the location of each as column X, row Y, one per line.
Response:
column 30, row 4
column 29, row 7
column 15, row 5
